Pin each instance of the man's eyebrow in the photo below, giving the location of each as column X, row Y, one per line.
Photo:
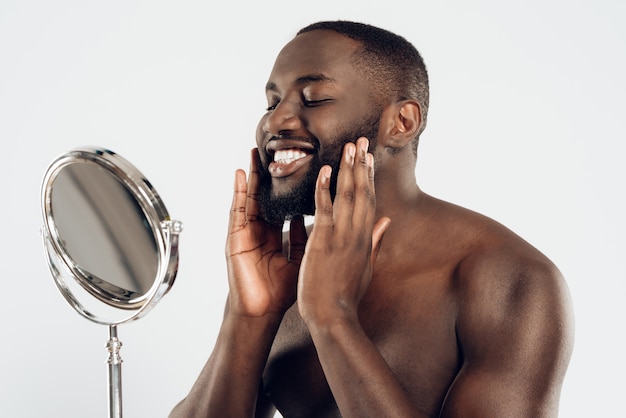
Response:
column 310, row 78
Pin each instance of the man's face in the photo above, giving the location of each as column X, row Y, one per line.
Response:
column 317, row 102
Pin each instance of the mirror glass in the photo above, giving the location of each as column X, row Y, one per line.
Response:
column 106, row 229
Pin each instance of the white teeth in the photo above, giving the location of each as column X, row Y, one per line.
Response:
column 288, row 156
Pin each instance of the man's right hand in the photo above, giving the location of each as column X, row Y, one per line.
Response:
column 262, row 280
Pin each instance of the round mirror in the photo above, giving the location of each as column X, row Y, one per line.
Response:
column 106, row 229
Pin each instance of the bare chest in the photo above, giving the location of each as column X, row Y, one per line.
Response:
column 412, row 324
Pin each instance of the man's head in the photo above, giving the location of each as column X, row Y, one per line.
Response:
column 335, row 82
column 389, row 61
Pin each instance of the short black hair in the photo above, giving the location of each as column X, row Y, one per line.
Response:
column 392, row 63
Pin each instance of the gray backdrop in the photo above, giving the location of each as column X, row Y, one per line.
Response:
column 526, row 125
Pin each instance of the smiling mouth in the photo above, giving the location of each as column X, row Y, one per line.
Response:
column 287, row 161
column 288, row 156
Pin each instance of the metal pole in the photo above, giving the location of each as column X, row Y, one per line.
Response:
column 115, row 373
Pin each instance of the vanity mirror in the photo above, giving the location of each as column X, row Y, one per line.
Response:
column 110, row 244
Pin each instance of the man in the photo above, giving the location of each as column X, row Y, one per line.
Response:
column 398, row 304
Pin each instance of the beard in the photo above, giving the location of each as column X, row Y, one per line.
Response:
column 300, row 200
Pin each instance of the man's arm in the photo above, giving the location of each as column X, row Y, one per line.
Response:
column 262, row 286
column 229, row 382
column 335, row 273
column 515, row 328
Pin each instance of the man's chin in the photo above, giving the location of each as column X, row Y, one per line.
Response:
column 277, row 210
column 282, row 200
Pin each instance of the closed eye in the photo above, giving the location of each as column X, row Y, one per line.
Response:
column 314, row 103
column 272, row 106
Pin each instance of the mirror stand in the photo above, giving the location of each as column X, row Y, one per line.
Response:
column 115, row 373
column 110, row 244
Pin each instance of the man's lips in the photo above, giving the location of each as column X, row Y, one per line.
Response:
column 288, row 156
column 284, row 168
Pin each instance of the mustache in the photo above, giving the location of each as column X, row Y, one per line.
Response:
column 314, row 142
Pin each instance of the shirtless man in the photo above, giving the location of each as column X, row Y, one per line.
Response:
column 398, row 304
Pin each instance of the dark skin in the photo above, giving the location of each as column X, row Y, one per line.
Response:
column 397, row 304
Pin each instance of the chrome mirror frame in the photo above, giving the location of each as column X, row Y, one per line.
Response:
column 165, row 231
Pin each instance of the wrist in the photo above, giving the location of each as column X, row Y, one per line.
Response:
column 330, row 321
column 256, row 309
column 248, row 322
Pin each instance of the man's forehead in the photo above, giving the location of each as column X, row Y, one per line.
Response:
column 319, row 52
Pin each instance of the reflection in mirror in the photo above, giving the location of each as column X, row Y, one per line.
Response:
column 109, row 243
column 103, row 229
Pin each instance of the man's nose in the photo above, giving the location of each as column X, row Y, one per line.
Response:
column 283, row 118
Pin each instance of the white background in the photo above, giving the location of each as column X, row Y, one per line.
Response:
column 527, row 125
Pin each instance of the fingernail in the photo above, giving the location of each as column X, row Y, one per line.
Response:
column 326, row 170
column 364, row 144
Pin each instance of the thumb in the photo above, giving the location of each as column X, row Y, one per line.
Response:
column 380, row 227
column 297, row 239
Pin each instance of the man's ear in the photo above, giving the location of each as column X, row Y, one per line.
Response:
column 400, row 123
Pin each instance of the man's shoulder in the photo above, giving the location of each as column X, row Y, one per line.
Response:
column 503, row 278
column 491, row 256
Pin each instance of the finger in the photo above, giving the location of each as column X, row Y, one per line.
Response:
column 252, row 201
column 344, row 198
column 378, row 232
column 238, row 207
column 297, row 239
column 323, row 203
column 364, row 195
